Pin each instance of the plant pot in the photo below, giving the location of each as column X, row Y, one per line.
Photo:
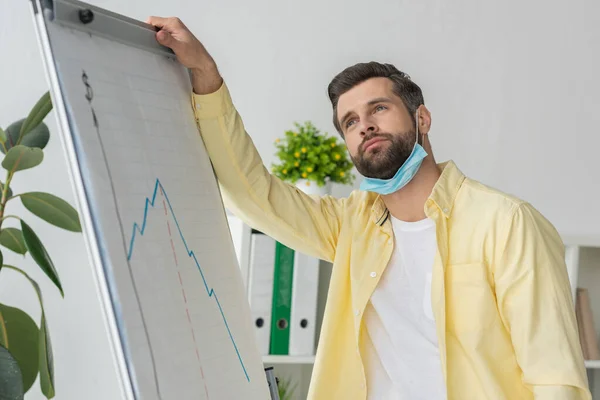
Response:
column 311, row 188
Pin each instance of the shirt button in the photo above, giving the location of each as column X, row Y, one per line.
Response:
column 357, row 312
column 373, row 274
column 198, row 106
column 445, row 210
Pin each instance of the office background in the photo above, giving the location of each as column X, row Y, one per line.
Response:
column 512, row 86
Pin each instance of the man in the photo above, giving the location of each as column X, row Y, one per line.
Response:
column 441, row 287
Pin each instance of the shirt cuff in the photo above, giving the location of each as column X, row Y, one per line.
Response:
column 213, row 104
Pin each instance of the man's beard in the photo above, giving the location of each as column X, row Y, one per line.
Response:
column 383, row 163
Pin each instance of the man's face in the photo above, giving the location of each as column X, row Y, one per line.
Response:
column 378, row 129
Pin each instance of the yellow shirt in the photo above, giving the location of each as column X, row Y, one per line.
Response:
column 501, row 297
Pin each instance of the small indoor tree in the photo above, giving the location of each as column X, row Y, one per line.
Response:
column 25, row 348
column 307, row 154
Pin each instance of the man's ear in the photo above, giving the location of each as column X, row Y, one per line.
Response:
column 424, row 120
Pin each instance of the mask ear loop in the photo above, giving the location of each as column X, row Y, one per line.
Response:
column 417, row 123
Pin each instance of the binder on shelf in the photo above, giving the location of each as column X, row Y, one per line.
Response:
column 282, row 299
column 585, row 325
column 580, row 328
column 260, row 287
column 304, row 305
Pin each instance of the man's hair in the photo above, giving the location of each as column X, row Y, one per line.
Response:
column 404, row 87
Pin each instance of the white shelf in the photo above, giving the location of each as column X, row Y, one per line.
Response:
column 288, row 359
column 581, row 240
column 592, row 364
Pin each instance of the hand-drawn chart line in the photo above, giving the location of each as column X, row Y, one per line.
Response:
column 187, row 309
column 89, row 95
column 210, row 291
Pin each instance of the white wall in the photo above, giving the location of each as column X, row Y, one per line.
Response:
column 502, row 80
column 512, row 85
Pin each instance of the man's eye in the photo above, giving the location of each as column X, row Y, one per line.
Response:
column 380, row 107
column 349, row 123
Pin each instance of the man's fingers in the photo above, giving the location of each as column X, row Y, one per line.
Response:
column 169, row 24
column 159, row 22
column 165, row 38
column 166, row 26
column 172, row 33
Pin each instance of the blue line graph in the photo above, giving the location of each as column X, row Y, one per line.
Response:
column 209, row 291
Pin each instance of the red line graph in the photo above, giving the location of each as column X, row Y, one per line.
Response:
column 183, row 293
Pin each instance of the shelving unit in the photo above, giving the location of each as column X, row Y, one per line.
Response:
column 583, row 265
column 592, row 364
column 297, row 369
column 291, row 360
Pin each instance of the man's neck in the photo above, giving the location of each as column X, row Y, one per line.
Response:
column 407, row 204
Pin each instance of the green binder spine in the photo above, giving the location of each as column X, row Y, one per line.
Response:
column 282, row 300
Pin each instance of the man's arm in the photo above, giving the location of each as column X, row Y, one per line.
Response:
column 278, row 209
column 535, row 303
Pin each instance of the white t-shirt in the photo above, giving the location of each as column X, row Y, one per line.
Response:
column 401, row 351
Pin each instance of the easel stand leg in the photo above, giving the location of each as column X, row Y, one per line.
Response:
column 273, row 389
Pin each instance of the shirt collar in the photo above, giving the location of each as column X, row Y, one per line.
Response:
column 446, row 188
column 379, row 211
column 443, row 194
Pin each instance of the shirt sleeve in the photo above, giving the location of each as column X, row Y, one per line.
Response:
column 536, row 305
column 309, row 224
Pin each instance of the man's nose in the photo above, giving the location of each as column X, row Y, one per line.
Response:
column 368, row 126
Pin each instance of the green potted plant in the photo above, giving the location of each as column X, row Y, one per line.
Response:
column 285, row 388
column 25, row 348
column 311, row 160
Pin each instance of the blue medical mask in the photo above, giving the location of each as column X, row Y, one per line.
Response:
column 405, row 174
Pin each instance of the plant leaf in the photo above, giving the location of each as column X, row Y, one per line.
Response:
column 1, row 260
column 2, row 136
column 11, row 382
column 38, row 137
column 22, row 157
column 40, row 255
column 46, row 361
column 37, row 114
column 22, row 342
column 12, row 239
column 52, row 209
column 9, row 192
